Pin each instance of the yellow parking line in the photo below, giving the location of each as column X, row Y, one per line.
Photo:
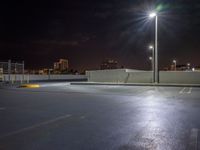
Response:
column 29, row 86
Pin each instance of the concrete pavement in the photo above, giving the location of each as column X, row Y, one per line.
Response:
column 99, row 117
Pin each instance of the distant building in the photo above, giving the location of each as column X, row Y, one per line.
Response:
column 197, row 68
column 1, row 74
column 109, row 64
column 180, row 68
column 61, row 65
column 166, row 69
column 41, row 71
column 56, row 66
column 45, row 71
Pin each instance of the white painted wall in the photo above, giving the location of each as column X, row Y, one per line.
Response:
column 186, row 77
column 115, row 75
column 137, row 76
column 120, row 76
column 140, row 77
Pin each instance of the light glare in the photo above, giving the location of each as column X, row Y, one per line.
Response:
column 150, row 47
column 152, row 15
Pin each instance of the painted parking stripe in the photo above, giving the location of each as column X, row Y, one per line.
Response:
column 185, row 90
column 190, row 90
column 182, row 90
column 193, row 145
column 36, row 126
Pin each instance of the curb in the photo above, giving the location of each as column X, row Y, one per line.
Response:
column 135, row 84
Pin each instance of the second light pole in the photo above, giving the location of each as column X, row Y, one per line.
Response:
column 174, row 61
column 152, row 61
column 156, row 73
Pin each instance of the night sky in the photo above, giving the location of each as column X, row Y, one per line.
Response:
column 88, row 31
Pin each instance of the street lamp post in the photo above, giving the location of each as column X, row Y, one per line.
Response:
column 152, row 62
column 188, row 66
column 156, row 74
column 151, row 59
column 174, row 61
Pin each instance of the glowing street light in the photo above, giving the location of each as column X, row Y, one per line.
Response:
column 154, row 15
column 174, row 61
column 151, row 47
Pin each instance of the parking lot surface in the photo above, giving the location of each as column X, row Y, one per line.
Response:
column 60, row 116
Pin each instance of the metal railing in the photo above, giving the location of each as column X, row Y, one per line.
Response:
column 11, row 69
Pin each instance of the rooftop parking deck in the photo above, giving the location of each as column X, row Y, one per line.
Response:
column 63, row 116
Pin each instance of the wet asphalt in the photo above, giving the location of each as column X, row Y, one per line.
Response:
column 60, row 116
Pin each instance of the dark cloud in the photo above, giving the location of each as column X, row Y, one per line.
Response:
column 55, row 43
column 103, row 15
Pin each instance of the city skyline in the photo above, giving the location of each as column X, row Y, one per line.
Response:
column 88, row 32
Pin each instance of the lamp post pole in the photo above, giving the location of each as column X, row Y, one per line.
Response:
column 156, row 73
column 188, row 66
column 153, row 62
column 174, row 61
column 156, row 50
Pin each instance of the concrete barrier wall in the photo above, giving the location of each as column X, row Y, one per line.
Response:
column 115, row 75
column 184, row 77
column 31, row 77
column 140, row 77
column 120, row 76
column 137, row 76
